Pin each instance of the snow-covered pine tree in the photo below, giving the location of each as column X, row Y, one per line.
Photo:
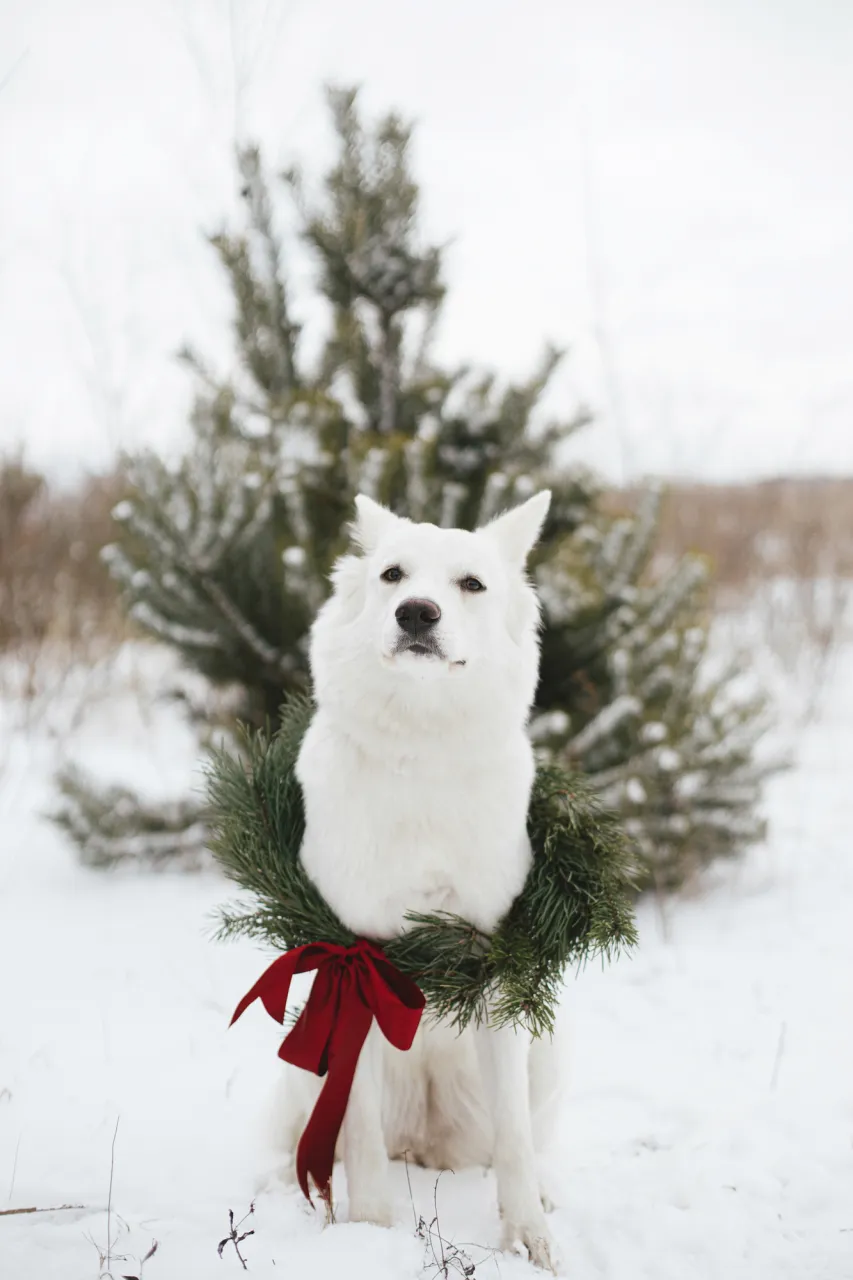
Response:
column 225, row 557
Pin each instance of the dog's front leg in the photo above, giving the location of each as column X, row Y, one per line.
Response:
column 365, row 1153
column 503, row 1056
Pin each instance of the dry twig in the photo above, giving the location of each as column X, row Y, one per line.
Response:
column 56, row 1208
column 234, row 1237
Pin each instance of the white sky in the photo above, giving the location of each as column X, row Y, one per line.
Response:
column 667, row 188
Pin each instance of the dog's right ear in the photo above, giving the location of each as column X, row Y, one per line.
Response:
column 371, row 523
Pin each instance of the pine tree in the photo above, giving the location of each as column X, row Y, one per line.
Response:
column 225, row 557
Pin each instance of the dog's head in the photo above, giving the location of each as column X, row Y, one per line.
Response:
column 423, row 604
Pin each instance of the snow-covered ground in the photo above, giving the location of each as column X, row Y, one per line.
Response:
column 710, row 1128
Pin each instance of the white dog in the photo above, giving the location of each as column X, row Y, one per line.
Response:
column 416, row 773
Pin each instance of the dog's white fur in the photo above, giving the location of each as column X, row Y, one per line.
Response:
column 416, row 773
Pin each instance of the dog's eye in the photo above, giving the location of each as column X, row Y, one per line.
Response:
column 394, row 574
column 471, row 584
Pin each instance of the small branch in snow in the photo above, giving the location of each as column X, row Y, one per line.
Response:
column 411, row 1197
column 14, row 1168
column 105, row 1255
column 155, row 1245
column 777, row 1061
column 110, row 1192
column 444, row 1258
column 234, row 1238
column 56, row 1208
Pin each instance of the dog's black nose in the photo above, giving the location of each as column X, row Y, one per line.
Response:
column 417, row 616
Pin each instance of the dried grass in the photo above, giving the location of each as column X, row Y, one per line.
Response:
column 798, row 529
column 54, row 588
column 782, row 547
column 785, row 546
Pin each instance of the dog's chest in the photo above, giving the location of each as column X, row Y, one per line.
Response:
column 416, row 833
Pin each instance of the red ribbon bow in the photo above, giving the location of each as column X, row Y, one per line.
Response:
column 353, row 986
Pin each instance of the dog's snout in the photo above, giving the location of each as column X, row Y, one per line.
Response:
column 417, row 616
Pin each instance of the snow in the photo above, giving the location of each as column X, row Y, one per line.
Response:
column 709, row 1127
column 635, row 791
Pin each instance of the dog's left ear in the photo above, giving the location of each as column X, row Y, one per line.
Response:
column 371, row 523
column 517, row 531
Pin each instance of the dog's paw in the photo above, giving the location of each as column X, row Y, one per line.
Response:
column 536, row 1240
column 374, row 1209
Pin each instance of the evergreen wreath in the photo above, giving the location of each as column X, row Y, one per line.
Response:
column 576, row 902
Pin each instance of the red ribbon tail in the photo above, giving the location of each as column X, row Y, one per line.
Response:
column 273, row 986
column 315, row 1154
column 353, row 985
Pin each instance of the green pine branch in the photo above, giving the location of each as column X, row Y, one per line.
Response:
column 576, row 903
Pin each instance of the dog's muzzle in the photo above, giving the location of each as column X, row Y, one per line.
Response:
column 417, row 619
